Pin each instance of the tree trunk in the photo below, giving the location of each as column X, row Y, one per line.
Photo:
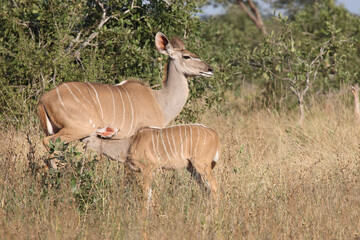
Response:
column 301, row 111
column 254, row 15
column 355, row 92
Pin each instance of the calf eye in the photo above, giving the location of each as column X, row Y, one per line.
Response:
column 186, row 57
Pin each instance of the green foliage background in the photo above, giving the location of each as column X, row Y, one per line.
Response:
column 40, row 41
column 42, row 44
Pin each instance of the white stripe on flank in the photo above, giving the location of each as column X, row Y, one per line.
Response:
column 162, row 139
column 191, row 143
column 113, row 101
column 172, row 135
column 97, row 97
column 185, row 142
column 76, row 99
column 49, row 127
column 93, row 99
column 83, row 95
column 153, row 142
column 202, row 149
column 197, row 142
column 167, row 136
column 132, row 110
column 124, row 112
column 181, row 144
column 62, row 103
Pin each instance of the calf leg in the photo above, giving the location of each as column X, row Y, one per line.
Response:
column 208, row 179
column 146, row 186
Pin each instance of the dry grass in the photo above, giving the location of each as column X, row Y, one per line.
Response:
column 277, row 181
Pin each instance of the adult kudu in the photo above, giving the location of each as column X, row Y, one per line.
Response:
column 84, row 111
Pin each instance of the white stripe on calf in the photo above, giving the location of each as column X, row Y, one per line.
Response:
column 172, row 134
column 191, row 142
column 197, row 142
column 182, row 143
column 202, row 149
column 185, row 142
column 167, row 135
column 162, row 139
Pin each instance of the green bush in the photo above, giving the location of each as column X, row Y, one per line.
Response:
column 43, row 43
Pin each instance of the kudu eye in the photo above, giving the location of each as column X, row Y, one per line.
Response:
column 186, row 57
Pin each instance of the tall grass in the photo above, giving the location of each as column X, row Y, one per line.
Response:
column 276, row 181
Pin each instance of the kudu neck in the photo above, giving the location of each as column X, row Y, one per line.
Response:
column 172, row 97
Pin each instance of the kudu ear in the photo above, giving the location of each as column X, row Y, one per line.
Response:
column 106, row 132
column 177, row 43
column 163, row 45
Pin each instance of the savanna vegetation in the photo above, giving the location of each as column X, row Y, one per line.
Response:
column 284, row 101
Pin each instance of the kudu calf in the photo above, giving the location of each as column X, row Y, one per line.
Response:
column 194, row 147
column 83, row 110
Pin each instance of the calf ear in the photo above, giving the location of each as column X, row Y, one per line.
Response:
column 107, row 132
column 163, row 45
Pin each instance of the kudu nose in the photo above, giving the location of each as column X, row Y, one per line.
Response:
column 210, row 70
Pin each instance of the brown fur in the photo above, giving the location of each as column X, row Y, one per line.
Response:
column 184, row 146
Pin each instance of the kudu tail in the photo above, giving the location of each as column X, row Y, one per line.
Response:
column 46, row 124
column 217, row 153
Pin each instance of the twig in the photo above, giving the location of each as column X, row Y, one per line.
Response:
column 104, row 19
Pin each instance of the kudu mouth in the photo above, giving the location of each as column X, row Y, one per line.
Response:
column 209, row 73
column 206, row 74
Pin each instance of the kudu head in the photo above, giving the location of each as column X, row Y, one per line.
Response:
column 185, row 62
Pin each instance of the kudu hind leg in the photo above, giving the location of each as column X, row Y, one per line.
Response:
column 66, row 135
column 207, row 179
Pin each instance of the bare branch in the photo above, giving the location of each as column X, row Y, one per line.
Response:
column 104, row 19
column 14, row 3
column 254, row 15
